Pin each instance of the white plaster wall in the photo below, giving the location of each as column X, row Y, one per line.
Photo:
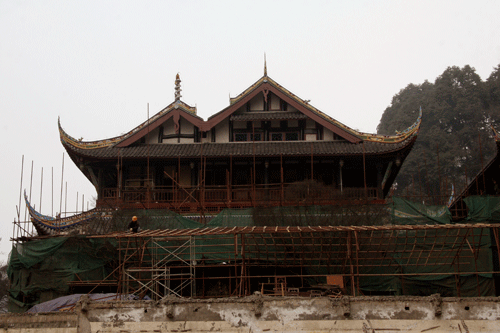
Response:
column 327, row 135
column 168, row 127
column 152, row 137
column 171, row 140
column 186, row 127
column 222, row 131
column 311, row 137
column 275, row 103
column 186, row 140
column 257, row 103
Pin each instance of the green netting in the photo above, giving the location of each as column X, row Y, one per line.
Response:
column 469, row 286
column 430, row 259
column 461, row 258
column 422, row 270
column 303, row 215
column 408, row 212
column 483, row 208
column 44, row 267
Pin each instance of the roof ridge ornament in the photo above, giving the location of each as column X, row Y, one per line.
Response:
column 265, row 65
column 178, row 88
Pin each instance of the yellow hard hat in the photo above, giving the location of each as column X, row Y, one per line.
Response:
column 134, row 218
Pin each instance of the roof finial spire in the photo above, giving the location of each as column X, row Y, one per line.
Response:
column 177, row 87
column 265, row 65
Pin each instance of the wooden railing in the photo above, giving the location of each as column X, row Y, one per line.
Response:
column 233, row 196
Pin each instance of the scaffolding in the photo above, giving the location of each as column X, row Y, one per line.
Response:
column 237, row 261
column 149, row 266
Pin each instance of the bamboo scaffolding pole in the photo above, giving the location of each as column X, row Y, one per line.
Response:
column 364, row 171
column 148, row 182
column 14, row 230
column 273, row 241
column 482, row 160
column 282, row 195
column 66, row 200
column 30, row 226
column 439, row 173
column 52, row 203
column 62, row 184
column 312, row 161
column 29, row 197
column 41, row 190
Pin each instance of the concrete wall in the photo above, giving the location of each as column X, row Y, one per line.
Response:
column 270, row 314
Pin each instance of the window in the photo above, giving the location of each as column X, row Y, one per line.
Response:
column 256, row 137
column 285, row 136
column 240, row 137
column 276, row 136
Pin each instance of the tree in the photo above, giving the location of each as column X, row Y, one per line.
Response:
column 4, row 288
column 455, row 139
column 493, row 91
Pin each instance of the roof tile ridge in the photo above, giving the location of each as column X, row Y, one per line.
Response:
column 176, row 105
column 233, row 100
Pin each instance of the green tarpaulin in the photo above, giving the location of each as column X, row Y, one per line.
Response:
column 44, row 267
column 408, row 212
column 483, row 209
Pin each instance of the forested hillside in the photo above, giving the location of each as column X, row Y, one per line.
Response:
column 455, row 140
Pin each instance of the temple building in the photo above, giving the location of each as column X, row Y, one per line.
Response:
column 267, row 148
column 320, row 217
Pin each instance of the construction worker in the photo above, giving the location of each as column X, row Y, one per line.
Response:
column 133, row 226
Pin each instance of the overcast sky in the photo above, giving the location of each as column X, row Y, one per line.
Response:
column 97, row 64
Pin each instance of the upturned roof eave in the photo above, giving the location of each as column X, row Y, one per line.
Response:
column 137, row 132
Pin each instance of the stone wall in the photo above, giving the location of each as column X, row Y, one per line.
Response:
column 269, row 314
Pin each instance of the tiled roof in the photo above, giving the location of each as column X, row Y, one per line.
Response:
column 242, row 149
column 178, row 106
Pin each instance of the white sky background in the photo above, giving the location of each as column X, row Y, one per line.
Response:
column 96, row 64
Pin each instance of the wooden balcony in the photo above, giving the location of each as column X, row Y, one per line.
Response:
column 215, row 198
